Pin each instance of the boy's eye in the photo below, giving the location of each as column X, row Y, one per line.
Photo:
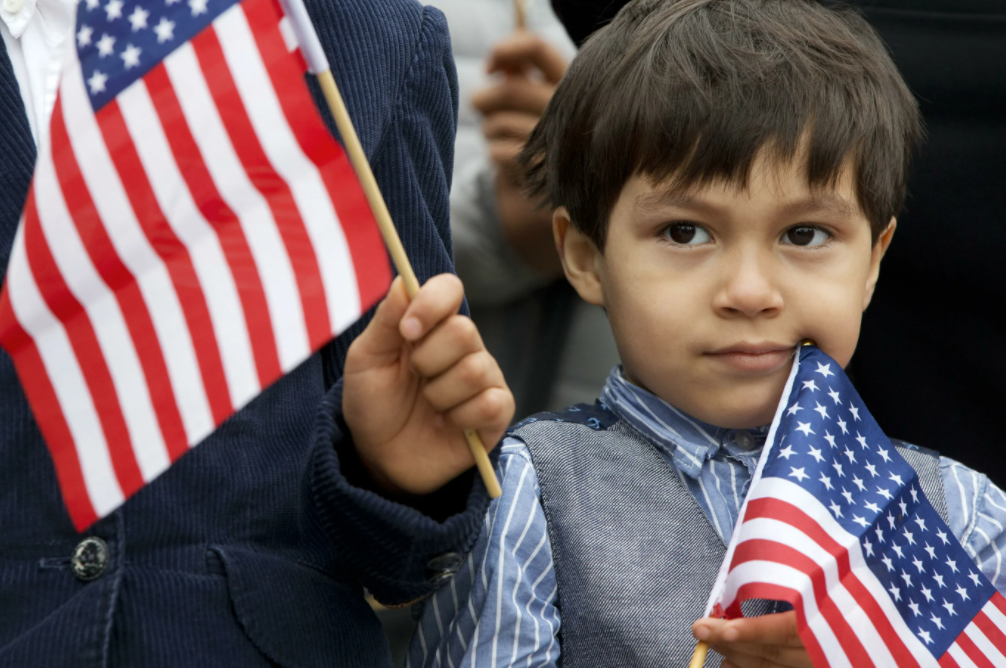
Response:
column 687, row 234
column 805, row 235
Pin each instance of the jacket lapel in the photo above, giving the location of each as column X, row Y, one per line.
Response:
column 18, row 150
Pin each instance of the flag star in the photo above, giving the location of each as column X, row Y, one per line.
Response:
column 198, row 7
column 848, row 453
column 880, row 534
column 805, row 428
column 822, row 410
column 872, row 468
column 897, row 550
column 915, row 607
column 816, row 454
column 84, row 35
column 974, row 578
column 165, row 30
column 787, row 452
column 841, row 425
column 113, row 10
column 848, row 496
column 861, row 521
column 963, row 592
column 896, row 479
column 97, row 82
column 854, row 411
column 862, row 441
column 915, row 493
column 885, row 456
column 936, row 620
column 921, row 522
column 918, row 564
column 93, row 4
column 798, row 473
column 138, row 19
column 831, row 439
column 895, row 592
column 931, row 551
column 904, row 507
column 834, row 395
column 810, row 385
column 942, row 536
column 106, row 45
column 870, row 505
column 890, row 519
column 950, row 608
column 792, row 410
column 952, row 564
column 130, row 56
column 835, row 508
column 884, row 493
column 827, row 482
column 926, row 637
column 928, row 593
column 867, row 545
column 939, row 580
column 858, row 483
column 171, row 2
column 907, row 578
column 887, row 562
column 824, row 370
column 838, row 468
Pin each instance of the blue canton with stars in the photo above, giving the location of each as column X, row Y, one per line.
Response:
column 118, row 41
column 832, row 447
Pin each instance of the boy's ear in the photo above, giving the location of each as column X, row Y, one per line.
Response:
column 579, row 258
column 879, row 249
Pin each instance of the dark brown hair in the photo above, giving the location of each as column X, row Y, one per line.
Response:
column 692, row 90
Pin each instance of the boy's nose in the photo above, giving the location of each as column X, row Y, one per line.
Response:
column 747, row 288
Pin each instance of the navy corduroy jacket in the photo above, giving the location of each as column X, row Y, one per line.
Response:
column 253, row 549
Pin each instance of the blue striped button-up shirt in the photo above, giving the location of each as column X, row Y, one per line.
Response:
column 500, row 609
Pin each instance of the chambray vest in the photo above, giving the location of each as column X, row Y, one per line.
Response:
column 635, row 556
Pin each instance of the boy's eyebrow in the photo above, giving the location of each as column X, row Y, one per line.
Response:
column 828, row 202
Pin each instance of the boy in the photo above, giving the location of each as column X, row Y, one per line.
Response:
column 725, row 175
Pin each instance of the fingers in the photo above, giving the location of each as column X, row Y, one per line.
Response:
column 438, row 300
column 765, row 656
column 524, row 50
column 509, row 125
column 514, row 93
column 776, row 629
column 382, row 335
column 449, row 342
column 470, row 375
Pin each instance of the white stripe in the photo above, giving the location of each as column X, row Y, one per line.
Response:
column 992, row 612
column 774, row 573
column 792, row 493
column 500, row 574
column 985, row 645
column 244, row 200
column 964, row 501
column 83, row 280
column 960, row 657
column 712, row 509
column 134, row 250
column 551, row 627
column 200, row 240
column 991, row 501
column 687, row 419
column 287, row 158
column 991, row 519
column 63, row 370
column 289, row 36
column 995, row 551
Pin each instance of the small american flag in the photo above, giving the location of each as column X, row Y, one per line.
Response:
column 193, row 232
column 836, row 524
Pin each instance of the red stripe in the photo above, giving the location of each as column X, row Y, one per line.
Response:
column 773, row 592
column 79, row 330
column 272, row 186
column 765, row 550
column 991, row 631
column 373, row 271
column 975, row 654
column 123, row 284
column 788, row 513
column 222, row 218
column 48, row 414
column 172, row 252
column 947, row 661
column 999, row 602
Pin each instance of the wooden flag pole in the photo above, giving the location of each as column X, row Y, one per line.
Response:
column 391, row 239
column 520, row 15
column 699, row 655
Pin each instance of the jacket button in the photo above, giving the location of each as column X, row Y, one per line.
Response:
column 13, row 6
column 440, row 568
column 90, row 558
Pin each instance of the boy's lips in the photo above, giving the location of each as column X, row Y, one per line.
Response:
column 753, row 357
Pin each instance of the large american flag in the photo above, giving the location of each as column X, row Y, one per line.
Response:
column 836, row 524
column 192, row 233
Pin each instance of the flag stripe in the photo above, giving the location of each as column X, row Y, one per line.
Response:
column 771, row 592
column 74, row 400
column 363, row 237
column 214, row 207
column 947, row 661
column 1000, row 604
column 991, row 626
column 172, row 209
column 294, row 344
column 968, row 646
column 284, row 153
column 957, row 653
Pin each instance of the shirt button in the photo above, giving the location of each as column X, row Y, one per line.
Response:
column 744, row 439
column 90, row 558
column 13, row 6
column 442, row 567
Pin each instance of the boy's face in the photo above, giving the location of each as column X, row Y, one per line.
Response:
column 709, row 292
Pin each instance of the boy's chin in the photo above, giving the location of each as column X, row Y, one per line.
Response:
column 741, row 414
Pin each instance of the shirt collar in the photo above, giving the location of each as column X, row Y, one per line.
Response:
column 56, row 17
column 689, row 441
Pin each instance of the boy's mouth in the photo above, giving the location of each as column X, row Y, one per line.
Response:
column 753, row 357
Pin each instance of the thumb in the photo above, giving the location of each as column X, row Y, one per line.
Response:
column 382, row 335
